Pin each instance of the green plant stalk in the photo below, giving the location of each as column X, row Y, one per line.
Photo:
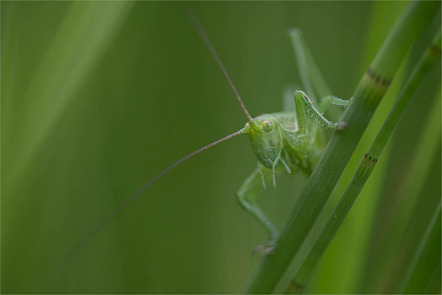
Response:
column 399, row 233
column 367, row 96
column 427, row 61
column 432, row 231
column 412, row 192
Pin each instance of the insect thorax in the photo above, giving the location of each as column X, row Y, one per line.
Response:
column 298, row 151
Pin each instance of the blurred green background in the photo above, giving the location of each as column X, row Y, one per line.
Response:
column 98, row 97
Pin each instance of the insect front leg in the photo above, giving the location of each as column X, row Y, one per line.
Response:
column 247, row 197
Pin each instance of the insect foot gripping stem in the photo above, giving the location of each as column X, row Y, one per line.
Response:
column 341, row 125
column 265, row 249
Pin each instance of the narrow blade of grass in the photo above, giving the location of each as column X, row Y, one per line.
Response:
column 404, row 230
column 85, row 32
column 429, row 238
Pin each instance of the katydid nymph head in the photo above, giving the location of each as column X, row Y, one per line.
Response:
column 264, row 133
column 265, row 139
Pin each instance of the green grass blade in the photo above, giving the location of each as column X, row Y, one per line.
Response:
column 428, row 60
column 347, row 253
column 403, row 230
column 424, row 251
column 366, row 98
column 84, row 34
column 434, row 281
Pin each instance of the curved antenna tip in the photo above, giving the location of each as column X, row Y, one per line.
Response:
column 194, row 19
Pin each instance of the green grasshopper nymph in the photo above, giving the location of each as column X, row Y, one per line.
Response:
column 284, row 143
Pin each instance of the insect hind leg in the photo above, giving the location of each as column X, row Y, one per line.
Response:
column 305, row 109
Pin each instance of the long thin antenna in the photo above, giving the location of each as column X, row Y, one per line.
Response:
column 206, row 40
column 109, row 217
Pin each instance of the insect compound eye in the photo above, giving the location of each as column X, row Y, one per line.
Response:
column 267, row 125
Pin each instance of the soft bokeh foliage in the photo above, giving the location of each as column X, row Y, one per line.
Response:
column 98, row 97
